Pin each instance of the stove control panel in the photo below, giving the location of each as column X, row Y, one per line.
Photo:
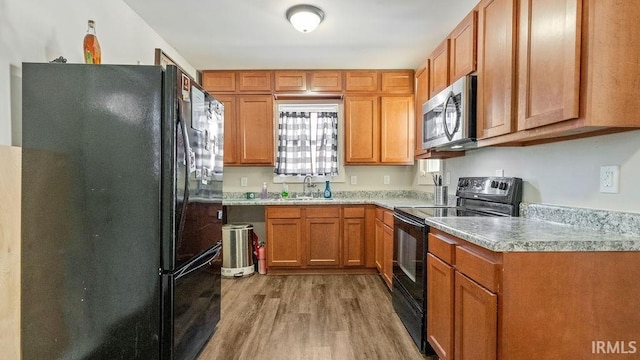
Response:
column 503, row 189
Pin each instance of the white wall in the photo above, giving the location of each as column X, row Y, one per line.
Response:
column 39, row 31
column 564, row 173
column 368, row 178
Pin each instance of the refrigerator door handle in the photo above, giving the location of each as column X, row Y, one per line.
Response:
column 187, row 156
column 197, row 263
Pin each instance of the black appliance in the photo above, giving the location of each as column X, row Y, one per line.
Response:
column 121, row 212
column 476, row 196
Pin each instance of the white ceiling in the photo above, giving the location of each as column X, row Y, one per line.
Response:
column 254, row 34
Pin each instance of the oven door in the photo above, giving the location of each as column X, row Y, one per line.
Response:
column 409, row 246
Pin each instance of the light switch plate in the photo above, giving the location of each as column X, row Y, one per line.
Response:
column 609, row 179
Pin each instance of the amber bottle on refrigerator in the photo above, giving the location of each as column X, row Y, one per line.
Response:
column 92, row 53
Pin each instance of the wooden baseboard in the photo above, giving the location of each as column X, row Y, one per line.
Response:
column 307, row 271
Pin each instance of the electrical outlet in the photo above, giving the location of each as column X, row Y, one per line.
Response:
column 447, row 178
column 353, row 180
column 500, row 172
column 386, row 180
column 609, row 179
column 243, row 181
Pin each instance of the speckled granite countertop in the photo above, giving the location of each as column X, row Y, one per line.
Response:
column 540, row 227
column 518, row 234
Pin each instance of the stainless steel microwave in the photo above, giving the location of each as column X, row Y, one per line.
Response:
column 449, row 118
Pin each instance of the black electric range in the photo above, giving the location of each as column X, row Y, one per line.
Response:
column 476, row 196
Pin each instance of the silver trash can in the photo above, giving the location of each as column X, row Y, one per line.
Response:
column 237, row 250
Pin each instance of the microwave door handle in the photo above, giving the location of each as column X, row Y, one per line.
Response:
column 452, row 98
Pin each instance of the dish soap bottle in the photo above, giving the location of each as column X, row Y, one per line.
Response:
column 92, row 54
column 327, row 190
column 285, row 191
column 265, row 193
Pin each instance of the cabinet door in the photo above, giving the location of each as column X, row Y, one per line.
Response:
column 462, row 60
column 421, row 95
column 387, row 272
column 362, row 129
column 440, row 277
column 400, row 82
column 231, row 137
column 476, row 320
column 256, row 129
column 549, row 62
column 439, row 70
column 361, row 81
column 284, row 242
column 496, row 67
column 396, row 130
column 353, row 241
column 325, row 81
column 323, row 239
column 254, row 81
column 291, row 80
column 219, row 81
column 379, row 245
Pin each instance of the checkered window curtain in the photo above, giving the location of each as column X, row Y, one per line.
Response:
column 299, row 151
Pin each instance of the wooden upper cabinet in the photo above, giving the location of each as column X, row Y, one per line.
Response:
column 255, row 113
column 439, row 69
column 290, row 81
column 231, row 138
column 325, row 81
column 254, row 81
column 421, row 96
column 463, row 40
column 362, row 129
column 397, row 82
column 362, row 80
column 396, row 130
column 219, row 81
column 496, row 67
column 549, row 62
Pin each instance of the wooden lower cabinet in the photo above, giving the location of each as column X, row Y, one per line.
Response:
column 284, row 242
column 354, row 234
column 476, row 320
column 530, row 305
column 440, row 295
column 322, row 236
column 319, row 237
column 379, row 245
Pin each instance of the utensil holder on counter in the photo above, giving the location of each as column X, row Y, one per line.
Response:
column 440, row 195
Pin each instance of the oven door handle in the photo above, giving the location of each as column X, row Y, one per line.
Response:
column 408, row 221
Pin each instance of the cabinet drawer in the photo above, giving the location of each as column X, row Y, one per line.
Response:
column 353, row 212
column 388, row 218
column 323, row 211
column 443, row 248
column 481, row 269
column 282, row 212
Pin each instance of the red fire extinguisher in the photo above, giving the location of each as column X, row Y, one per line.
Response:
column 262, row 259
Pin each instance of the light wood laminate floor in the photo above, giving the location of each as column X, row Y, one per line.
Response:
column 323, row 317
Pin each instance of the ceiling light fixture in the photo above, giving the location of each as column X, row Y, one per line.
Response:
column 305, row 18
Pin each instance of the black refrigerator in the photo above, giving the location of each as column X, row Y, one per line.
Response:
column 121, row 212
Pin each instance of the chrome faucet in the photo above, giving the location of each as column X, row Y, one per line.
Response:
column 306, row 185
